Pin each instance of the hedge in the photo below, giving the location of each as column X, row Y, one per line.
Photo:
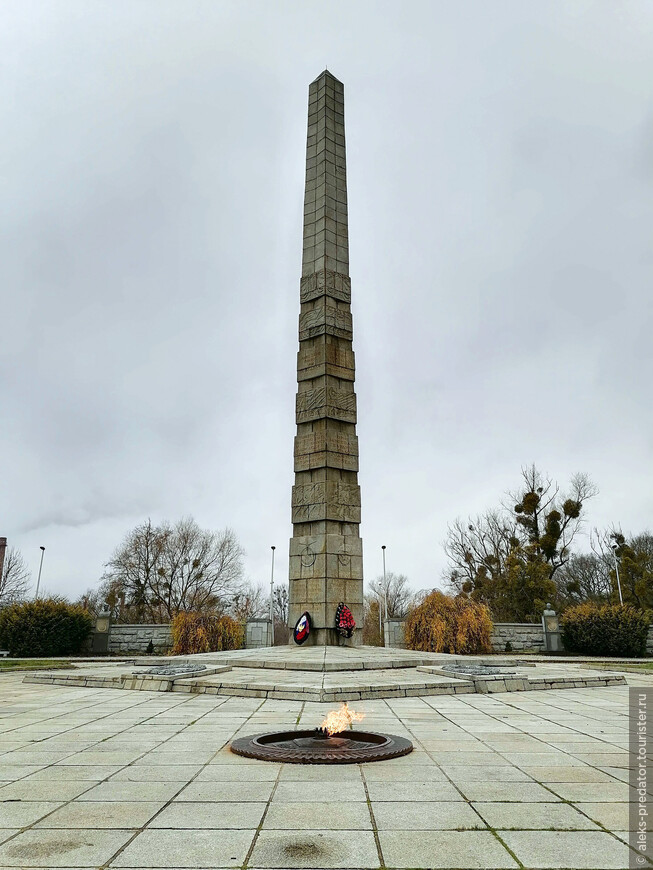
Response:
column 605, row 630
column 46, row 627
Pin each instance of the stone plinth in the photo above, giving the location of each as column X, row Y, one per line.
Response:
column 258, row 633
column 393, row 634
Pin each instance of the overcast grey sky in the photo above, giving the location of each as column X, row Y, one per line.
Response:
column 500, row 170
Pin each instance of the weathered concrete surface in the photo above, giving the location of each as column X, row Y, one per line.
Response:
column 326, row 556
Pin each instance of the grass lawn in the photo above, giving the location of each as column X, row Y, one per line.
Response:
column 31, row 664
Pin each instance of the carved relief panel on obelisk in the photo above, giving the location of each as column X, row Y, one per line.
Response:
column 326, row 564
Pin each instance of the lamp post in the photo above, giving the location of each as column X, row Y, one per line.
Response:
column 616, row 568
column 38, row 582
column 273, row 548
column 385, row 588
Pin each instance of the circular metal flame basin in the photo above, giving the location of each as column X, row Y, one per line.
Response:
column 314, row 747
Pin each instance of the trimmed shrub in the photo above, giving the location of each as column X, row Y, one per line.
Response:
column 45, row 627
column 451, row 625
column 605, row 630
column 205, row 632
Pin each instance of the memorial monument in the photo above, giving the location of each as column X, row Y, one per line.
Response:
column 326, row 556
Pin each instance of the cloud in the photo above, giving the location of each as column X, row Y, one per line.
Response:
column 499, row 192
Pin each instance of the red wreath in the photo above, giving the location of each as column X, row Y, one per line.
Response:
column 345, row 623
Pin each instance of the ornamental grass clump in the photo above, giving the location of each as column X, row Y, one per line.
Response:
column 442, row 623
column 45, row 627
column 205, row 632
column 605, row 629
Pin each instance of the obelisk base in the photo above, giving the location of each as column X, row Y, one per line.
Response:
column 330, row 637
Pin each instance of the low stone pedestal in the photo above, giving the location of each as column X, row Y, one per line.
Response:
column 258, row 633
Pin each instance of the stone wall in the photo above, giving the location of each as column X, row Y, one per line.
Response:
column 523, row 637
column 649, row 641
column 136, row 638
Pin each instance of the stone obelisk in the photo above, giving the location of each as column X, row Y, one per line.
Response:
column 326, row 556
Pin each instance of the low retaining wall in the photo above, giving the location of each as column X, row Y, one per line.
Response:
column 136, row 638
column 525, row 637
column 522, row 637
column 649, row 641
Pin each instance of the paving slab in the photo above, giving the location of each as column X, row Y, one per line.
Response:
column 42, row 790
column 215, row 816
column 484, row 773
column 328, row 815
column 71, row 848
column 607, row 792
column 190, row 848
column 444, row 849
column 315, row 848
column 19, row 814
column 226, row 791
column 109, row 814
column 526, row 816
column 425, row 816
column 580, row 773
column 156, row 773
column 343, row 792
column 578, row 850
column 613, row 816
column 260, row 772
column 412, row 791
column 120, row 790
column 514, row 792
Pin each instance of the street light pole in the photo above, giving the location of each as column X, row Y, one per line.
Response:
column 273, row 548
column 385, row 588
column 38, row 582
column 616, row 568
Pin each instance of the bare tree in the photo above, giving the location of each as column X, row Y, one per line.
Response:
column 508, row 558
column 133, row 570
column 280, row 603
column 109, row 595
column 162, row 570
column 396, row 591
column 478, row 547
column 15, row 578
column 548, row 519
column 634, row 557
column 372, row 626
column 584, row 577
column 250, row 602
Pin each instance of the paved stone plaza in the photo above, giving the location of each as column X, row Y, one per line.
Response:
column 97, row 777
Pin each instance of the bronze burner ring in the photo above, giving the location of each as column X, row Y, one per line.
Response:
column 314, row 747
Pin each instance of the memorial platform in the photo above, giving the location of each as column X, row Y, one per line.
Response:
column 327, row 674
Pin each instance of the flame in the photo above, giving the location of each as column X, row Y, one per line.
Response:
column 339, row 720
